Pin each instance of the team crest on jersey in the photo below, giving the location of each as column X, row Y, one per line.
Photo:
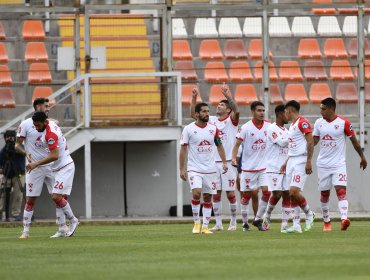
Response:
column 211, row 131
column 350, row 128
column 38, row 142
column 265, row 132
column 305, row 125
column 195, row 132
column 252, row 134
column 274, row 180
column 274, row 135
column 51, row 141
column 336, row 126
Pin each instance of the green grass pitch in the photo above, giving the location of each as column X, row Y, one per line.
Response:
column 171, row 251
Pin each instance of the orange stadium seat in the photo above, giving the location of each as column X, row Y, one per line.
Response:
column 367, row 92
column 346, row 93
column 215, row 95
column 346, row 11
column 290, row 71
column 44, row 92
column 2, row 32
column 309, row 48
column 323, row 11
column 319, row 92
column 334, row 48
column 5, row 77
column 210, row 50
column 181, row 50
column 314, row 70
column 275, row 94
column 39, row 73
column 6, row 98
column 352, row 48
column 187, row 70
column 235, row 49
column 187, row 94
column 367, row 69
column 255, row 49
column 215, row 72
column 258, row 71
column 33, row 30
column 3, row 53
column 240, row 72
column 36, row 52
column 245, row 94
column 341, row 70
column 296, row 92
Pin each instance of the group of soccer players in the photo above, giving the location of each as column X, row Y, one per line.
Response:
column 274, row 159
column 41, row 141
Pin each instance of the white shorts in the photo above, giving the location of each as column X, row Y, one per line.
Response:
column 250, row 181
column 277, row 182
column 206, row 182
column 296, row 172
column 36, row 178
column 329, row 177
column 64, row 179
column 227, row 181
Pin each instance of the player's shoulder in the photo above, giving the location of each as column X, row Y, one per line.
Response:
column 341, row 118
column 27, row 122
column 272, row 127
column 319, row 120
column 212, row 119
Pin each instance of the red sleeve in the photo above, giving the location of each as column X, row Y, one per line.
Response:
column 348, row 130
column 52, row 140
column 304, row 126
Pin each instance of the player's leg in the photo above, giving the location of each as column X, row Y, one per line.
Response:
column 233, row 206
column 263, row 183
column 286, row 211
column 216, row 199
column 195, row 182
column 255, row 201
column 324, row 185
column 209, row 189
column 274, row 199
column 340, row 183
column 247, row 179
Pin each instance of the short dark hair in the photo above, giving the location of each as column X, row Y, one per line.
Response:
column 255, row 104
column 279, row 109
column 329, row 102
column 38, row 101
column 294, row 104
column 199, row 106
column 39, row 116
column 9, row 133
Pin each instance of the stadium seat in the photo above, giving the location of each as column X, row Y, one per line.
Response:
column 44, row 92
column 275, row 94
column 215, row 95
column 229, row 27
column 303, row 27
column 290, row 71
column 210, row 50
column 6, row 98
column 2, row 32
column 187, row 70
column 367, row 69
column 258, row 71
column 235, row 49
column 328, row 26
column 3, row 53
column 334, row 48
column 245, row 94
column 323, row 11
column 346, row 93
column 240, row 72
column 314, row 70
column 39, row 73
column 5, row 77
column 181, row 50
column 367, row 92
column 178, row 28
column 319, row 92
column 252, row 27
column 309, row 48
column 346, row 11
column 205, row 28
column 33, row 30
column 36, row 52
column 341, row 70
column 350, row 26
column 187, row 94
column 352, row 49
column 279, row 27
column 255, row 49
column 296, row 92
column 215, row 72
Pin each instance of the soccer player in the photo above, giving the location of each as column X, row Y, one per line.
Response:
column 253, row 135
column 332, row 131
column 62, row 166
column 226, row 121
column 299, row 164
column 276, row 155
column 201, row 138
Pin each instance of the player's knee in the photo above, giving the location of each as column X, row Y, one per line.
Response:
column 231, row 197
column 59, row 201
column 325, row 196
column 207, row 197
column 246, row 196
column 196, row 194
column 294, row 191
column 341, row 194
column 216, row 197
column 30, row 204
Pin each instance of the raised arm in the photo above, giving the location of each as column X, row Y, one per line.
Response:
column 357, row 147
column 194, row 97
column 234, row 106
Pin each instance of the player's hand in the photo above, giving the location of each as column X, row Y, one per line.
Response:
column 183, row 174
column 29, row 157
column 225, row 90
column 31, row 166
column 283, row 168
column 234, row 162
column 308, row 167
column 224, row 167
column 363, row 163
column 195, row 92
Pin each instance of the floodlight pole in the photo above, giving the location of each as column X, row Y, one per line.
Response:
column 265, row 57
column 361, row 82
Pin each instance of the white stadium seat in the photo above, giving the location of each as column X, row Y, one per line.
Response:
column 205, row 28
column 328, row 26
column 229, row 27
column 279, row 27
column 178, row 28
column 252, row 27
column 350, row 26
column 303, row 27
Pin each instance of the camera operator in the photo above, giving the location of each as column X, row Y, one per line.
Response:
column 12, row 167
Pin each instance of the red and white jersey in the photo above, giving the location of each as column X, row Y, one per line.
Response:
column 333, row 141
column 201, row 147
column 254, row 145
column 228, row 128
column 32, row 141
column 277, row 147
column 53, row 137
column 297, row 140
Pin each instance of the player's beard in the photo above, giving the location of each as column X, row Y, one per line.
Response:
column 204, row 119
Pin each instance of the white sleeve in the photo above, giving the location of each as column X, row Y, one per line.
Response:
column 242, row 134
column 276, row 138
column 22, row 130
column 185, row 137
column 316, row 131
